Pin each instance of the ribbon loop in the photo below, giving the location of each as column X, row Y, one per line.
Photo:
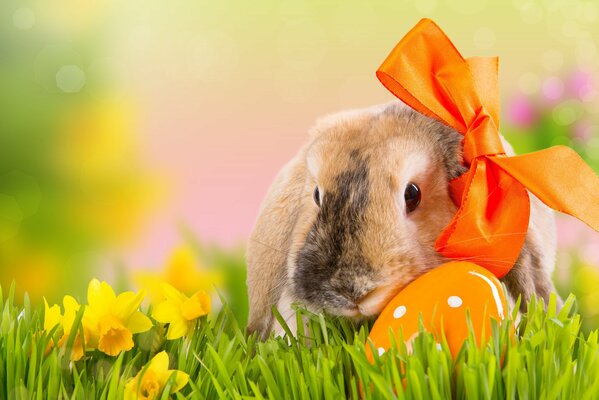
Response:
column 427, row 72
column 481, row 138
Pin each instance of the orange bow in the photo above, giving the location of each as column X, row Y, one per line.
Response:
column 428, row 73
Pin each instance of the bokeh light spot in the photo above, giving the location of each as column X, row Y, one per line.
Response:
column 529, row 83
column 49, row 60
column 553, row 60
column 553, row 88
column 23, row 18
column 586, row 51
column 484, row 38
column 593, row 148
column 70, row 79
column 567, row 113
column 582, row 85
column 531, row 13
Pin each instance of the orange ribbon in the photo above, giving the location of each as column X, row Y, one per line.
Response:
column 427, row 72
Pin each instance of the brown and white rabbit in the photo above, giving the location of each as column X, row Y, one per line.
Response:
column 353, row 218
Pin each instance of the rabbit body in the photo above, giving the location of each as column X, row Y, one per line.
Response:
column 334, row 232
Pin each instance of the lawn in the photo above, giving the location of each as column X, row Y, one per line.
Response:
column 545, row 355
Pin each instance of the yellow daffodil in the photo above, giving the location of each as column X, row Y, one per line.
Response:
column 183, row 272
column 53, row 317
column 112, row 320
column 150, row 382
column 180, row 311
column 115, row 192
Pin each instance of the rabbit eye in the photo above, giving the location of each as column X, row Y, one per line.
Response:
column 317, row 196
column 412, row 196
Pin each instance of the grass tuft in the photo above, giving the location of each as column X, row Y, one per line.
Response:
column 548, row 357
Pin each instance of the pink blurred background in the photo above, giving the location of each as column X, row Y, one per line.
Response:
column 227, row 92
column 134, row 134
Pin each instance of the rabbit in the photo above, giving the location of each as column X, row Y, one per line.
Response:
column 353, row 218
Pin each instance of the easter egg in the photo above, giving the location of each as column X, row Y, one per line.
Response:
column 442, row 297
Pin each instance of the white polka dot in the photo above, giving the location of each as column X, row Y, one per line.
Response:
column 454, row 301
column 439, row 347
column 381, row 351
column 23, row 18
column 399, row 312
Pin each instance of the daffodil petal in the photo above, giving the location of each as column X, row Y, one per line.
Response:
column 205, row 300
column 151, row 282
column 91, row 321
column 114, row 336
column 70, row 312
column 193, row 307
column 130, row 388
column 139, row 322
column 70, row 303
column 100, row 296
column 127, row 303
column 152, row 382
column 165, row 311
column 159, row 362
column 52, row 316
column 178, row 327
column 172, row 294
column 180, row 381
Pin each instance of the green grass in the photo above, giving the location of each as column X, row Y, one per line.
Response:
column 549, row 358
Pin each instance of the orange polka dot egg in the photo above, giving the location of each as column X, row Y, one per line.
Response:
column 442, row 297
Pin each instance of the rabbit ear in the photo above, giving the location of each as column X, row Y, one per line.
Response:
column 268, row 246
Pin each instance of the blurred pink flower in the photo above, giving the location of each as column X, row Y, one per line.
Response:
column 580, row 84
column 552, row 89
column 521, row 112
